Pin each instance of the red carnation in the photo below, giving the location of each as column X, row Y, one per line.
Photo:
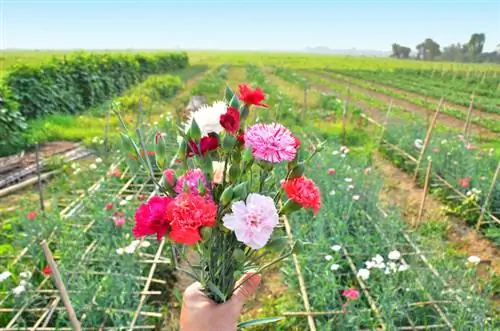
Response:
column 241, row 138
column 169, row 176
column 230, row 120
column 303, row 191
column 464, row 182
column 108, row 206
column 297, row 142
column 187, row 215
column 207, row 144
column 252, row 97
column 47, row 270
column 31, row 215
column 150, row 218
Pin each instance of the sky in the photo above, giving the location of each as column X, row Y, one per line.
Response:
column 243, row 25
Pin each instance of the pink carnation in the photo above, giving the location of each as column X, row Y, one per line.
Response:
column 150, row 218
column 192, row 177
column 351, row 294
column 271, row 142
column 254, row 221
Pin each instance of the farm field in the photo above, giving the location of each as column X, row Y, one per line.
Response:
column 410, row 199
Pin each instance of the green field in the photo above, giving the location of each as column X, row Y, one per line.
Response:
column 371, row 205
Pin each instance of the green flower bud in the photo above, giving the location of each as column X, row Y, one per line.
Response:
column 247, row 154
column 201, row 188
column 234, row 172
column 228, row 142
column 241, row 191
column 206, row 233
column 194, row 131
column 297, row 171
column 277, row 244
column 227, row 196
column 239, row 255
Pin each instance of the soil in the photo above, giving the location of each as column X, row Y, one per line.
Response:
column 22, row 160
column 399, row 189
column 375, row 113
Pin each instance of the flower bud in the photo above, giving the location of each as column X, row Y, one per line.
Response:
column 297, row 171
column 201, row 188
column 194, row 131
column 241, row 191
column 247, row 154
column 227, row 196
column 234, row 172
column 182, row 149
column 206, row 233
column 228, row 142
column 277, row 244
column 239, row 255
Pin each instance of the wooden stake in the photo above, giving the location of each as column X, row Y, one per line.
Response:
column 469, row 117
column 384, row 125
column 427, row 139
column 344, row 115
column 488, row 197
column 424, row 195
column 56, row 276
column 39, row 177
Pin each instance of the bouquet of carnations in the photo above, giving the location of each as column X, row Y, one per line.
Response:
column 225, row 194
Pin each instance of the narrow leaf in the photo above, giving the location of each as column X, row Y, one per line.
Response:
column 259, row 321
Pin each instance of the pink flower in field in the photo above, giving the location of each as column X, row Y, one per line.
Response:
column 271, row 142
column 31, row 215
column 191, row 179
column 253, row 222
column 351, row 294
column 470, row 146
column 119, row 221
column 331, row 171
column 108, row 206
column 464, row 182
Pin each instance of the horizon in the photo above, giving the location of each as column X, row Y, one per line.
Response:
column 277, row 26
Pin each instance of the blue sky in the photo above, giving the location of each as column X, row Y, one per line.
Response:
column 253, row 25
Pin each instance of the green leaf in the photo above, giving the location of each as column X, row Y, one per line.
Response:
column 215, row 290
column 259, row 321
column 228, row 93
column 234, row 102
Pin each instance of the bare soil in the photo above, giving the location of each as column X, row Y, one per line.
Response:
column 447, row 120
column 399, row 189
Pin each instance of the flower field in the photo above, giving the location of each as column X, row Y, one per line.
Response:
column 127, row 237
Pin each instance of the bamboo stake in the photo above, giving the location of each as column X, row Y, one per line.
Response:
column 488, row 197
column 60, row 286
column 424, row 194
column 469, row 117
column 39, row 177
column 427, row 139
column 302, row 285
column 344, row 115
column 386, row 120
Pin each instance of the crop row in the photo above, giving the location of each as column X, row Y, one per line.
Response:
column 429, row 87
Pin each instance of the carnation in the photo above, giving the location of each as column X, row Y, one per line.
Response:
column 191, row 179
column 150, row 218
column 208, row 118
column 271, row 142
column 187, row 215
column 252, row 97
column 303, row 191
column 253, row 222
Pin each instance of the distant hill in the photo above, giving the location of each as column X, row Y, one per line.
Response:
column 352, row 51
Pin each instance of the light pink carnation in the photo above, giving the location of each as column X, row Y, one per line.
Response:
column 191, row 178
column 271, row 142
column 254, row 221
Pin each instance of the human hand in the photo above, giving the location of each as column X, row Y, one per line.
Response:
column 200, row 313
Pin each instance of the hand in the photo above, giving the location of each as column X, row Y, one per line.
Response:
column 200, row 313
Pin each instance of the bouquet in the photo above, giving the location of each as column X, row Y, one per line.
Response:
column 225, row 195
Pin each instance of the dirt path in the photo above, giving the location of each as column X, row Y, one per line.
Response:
column 476, row 112
column 400, row 190
column 447, row 120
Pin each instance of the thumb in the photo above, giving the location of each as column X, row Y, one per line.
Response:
column 246, row 287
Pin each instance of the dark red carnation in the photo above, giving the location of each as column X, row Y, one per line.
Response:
column 241, row 138
column 47, row 270
column 207, row 144
column 150, row 218
column 252, row 97
column 230, row 120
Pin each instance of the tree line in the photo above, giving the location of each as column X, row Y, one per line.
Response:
column 430, row 50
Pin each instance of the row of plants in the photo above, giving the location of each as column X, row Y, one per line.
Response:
column 428, row 87
column 109, row 289
column 71, row 85
column 341, row 230
column 483, row 120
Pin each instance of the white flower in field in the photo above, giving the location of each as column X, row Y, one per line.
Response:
column 336, row 248
column 476, row 191
column 95, row 139
column 380, row 265
column 123, row 202
column 98, row 160
column 23, row 283
column 93, row 166
column 129, row 197
column 378, row 259
column 335, row 153
column 155, row 123
column 208, row 118
column 394, row 255
column 429, row 158
column 393, row 266
column 18, row 290
column 387, row 271
column 344, row 149
column 74, row 166
column 474, row 259
column 328, row 257
column 355, row 197
column 350, row 187
column 332, row 192
column 364, row 274
column 334, row 267
column 119, row 251
column 101, row 141
column 4, row 275
column 129, row 249
column 77, row 171
column 145, row 244
column 403, row 267
column 444, row 141
column 369, row 264
column 25, row 274
column 419, row 143
column 348, row 180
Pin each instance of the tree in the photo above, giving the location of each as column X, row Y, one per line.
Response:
column 428, row 50
column 476, row 44
column 454, row 52
column 401, row 52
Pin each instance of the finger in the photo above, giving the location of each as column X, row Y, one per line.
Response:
column 246, row 287
column 194, row 296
